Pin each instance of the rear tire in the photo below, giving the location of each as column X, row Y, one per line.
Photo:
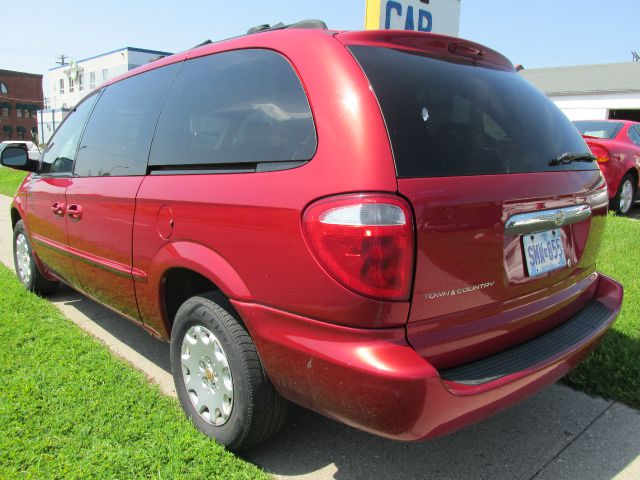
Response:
column 25, row 264
column 625, row 196
column 219, row 378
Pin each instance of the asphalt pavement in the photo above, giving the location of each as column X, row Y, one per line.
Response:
column 557, row 434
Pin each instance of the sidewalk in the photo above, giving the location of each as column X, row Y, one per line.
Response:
column 559, row 433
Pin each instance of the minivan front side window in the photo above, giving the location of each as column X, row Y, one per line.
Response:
column 61, row 150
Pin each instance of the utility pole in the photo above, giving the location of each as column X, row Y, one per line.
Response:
column 62, row 58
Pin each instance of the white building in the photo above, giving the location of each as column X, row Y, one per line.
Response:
column 591, row 92
column 68, row 84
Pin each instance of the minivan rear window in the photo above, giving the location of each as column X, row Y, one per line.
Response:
column 452, row 119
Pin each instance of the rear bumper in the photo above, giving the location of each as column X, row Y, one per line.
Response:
column 373, row 380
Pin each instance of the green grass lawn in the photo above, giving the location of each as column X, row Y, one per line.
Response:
column 613, row 370
column 69, row 409
column 10, row 180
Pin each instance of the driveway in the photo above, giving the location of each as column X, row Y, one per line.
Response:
column 559, row 433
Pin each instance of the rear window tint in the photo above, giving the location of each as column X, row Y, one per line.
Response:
column 454, row 119
column 238, row 107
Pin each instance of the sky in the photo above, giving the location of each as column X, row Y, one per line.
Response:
column 540, row 33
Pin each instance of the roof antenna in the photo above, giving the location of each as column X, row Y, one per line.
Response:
column 636, row 56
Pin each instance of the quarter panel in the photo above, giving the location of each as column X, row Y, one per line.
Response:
column 242, row 233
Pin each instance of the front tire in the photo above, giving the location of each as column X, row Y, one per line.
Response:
column 219, row 378
column 623, row 201
column 25, row 264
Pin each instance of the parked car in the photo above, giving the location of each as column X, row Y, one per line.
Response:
column 390, row 228
column 616, row 144
column 32, row 148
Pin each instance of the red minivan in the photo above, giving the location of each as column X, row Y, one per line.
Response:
column 390, row 228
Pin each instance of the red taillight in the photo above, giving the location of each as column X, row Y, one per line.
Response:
column 365, row 241
column 601, row 153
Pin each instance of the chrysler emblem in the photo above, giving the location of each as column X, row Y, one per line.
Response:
column 559, row 218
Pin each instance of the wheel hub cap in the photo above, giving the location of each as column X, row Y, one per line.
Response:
column 23, row 258
column 207, row 376
column 626, row 196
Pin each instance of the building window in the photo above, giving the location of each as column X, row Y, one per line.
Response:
column 20, row 131
column 3, row 88
column 4, row 109
column 62, row 86
column 80, row 82
column 6, row 131
column 105, row 74
column 92, row 80
column 71, row 85
column 27, row 114
column 18, row 111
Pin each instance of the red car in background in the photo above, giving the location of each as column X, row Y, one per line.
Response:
column 616, row 144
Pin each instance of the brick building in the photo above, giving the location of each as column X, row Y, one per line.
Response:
column 20, row 99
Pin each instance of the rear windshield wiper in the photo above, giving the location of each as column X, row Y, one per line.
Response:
column 567, row 158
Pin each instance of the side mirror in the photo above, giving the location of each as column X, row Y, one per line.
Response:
column 18, row 159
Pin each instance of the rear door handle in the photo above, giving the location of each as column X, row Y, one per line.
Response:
column 74, row 211
column 58, row 209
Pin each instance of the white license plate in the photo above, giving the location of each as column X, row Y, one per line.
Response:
column 543, row 252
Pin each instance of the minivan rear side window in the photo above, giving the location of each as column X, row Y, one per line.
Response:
column 118, row 134
column 242, row 107
column 447, row 118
